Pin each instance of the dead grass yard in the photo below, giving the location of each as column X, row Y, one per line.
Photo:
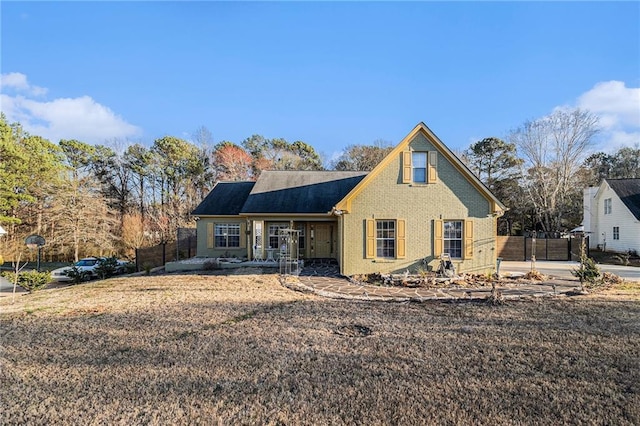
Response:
column 242, row 349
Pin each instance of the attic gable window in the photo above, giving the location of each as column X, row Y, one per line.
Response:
column 419, row 167
column 607, row 206
column 419, row 163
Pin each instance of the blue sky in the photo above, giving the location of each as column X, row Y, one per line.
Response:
column 327, row 73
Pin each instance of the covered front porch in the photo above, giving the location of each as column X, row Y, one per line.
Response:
column 269, row 239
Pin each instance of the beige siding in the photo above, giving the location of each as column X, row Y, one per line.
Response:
column 205, row 227
column 451, row 197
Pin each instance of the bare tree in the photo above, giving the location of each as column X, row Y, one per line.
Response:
column 362, row 157
column 553, row 148
column 82, row 220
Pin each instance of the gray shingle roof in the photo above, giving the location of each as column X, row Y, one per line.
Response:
column 300, row 191
column 226, row 198
column 629, row 192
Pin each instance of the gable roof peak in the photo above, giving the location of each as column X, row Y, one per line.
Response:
column 421, row 127
column 628, row 190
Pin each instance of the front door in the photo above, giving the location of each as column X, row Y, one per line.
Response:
column 323, row 245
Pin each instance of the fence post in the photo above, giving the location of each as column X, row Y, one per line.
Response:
column 546, row 248
column 587, row 243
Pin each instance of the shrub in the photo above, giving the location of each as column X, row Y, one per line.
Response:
column 107, row 268
column 30, row 280
column 77, row 275
column 147, row 268
column 587, row 272
column 211, row 265
column 129, row 268
column 1, row 260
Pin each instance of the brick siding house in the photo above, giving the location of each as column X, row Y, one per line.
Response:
column 421, row 201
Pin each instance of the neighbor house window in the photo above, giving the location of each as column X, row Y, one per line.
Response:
column 274, row 238
column 452, row 238
column 419, row 165
column 616, row 232
column 386, row 238
column 607, row 206
column 227, row 235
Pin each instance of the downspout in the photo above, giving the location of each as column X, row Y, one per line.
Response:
column 342, row 249
column 248, row 232
column 339, row 214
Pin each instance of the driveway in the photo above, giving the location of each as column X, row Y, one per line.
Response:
column 4, row 284
column 559, row 269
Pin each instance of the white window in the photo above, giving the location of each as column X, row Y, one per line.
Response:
column 616, row 232
column 274, row 238
column 419, row 166
column 452, row 238
column 301, row 227
column 227, row 235
column 385, row 238
column 607, row 206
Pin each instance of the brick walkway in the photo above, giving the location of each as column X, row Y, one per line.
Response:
column 326, row 281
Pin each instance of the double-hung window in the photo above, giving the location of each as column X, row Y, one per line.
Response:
column 607, row 206
column 452, row 238
column 274, row 231
column 227, row 235
column 616, row 232
column 386, row 238
column 419, row 166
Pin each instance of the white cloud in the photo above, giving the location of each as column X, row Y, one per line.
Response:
column 64, row 118
column 18, row 82
column 618, row 108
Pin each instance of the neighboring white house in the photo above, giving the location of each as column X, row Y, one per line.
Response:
column 612, row 215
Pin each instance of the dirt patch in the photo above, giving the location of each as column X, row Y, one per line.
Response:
column 610, row 258
column 353, row 330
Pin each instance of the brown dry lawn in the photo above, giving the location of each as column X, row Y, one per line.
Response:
column 242, row 349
